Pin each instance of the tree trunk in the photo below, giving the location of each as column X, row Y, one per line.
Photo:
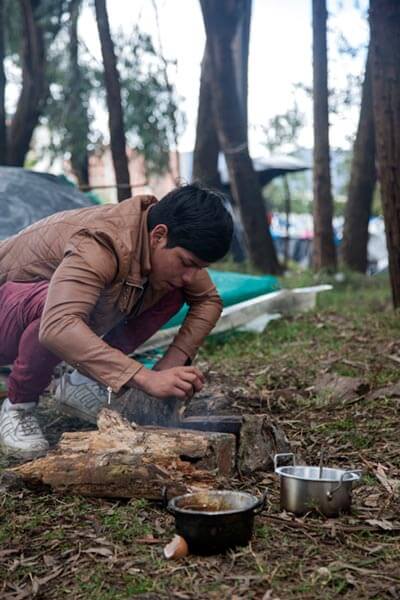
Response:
column 33, row 91
column 122, row 460
column 362, row 183
column 3, row 132
column 324, row 247
column 221, row 21
column 206, row 149
column 240, row 50
column 385, row 51
column 77, row 105
column 115, row 114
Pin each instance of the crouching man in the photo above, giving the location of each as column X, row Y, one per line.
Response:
column 89, row 286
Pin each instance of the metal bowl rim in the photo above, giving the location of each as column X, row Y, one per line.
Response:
column 283, row 472
column 186, row 511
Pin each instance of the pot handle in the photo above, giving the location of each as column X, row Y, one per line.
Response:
column 259, row 507
column 165, row 501
column 286, row 454
column 170, row 509
column 344, row 477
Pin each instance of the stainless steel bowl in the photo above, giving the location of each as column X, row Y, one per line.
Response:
column 322, row 489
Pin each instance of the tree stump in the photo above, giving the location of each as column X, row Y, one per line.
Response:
column 122, row 460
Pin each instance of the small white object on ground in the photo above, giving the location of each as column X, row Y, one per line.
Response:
column 176, row 549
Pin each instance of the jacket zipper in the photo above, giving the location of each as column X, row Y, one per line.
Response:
column 139, row 302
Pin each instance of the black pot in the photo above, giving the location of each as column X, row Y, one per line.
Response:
column 214, row 521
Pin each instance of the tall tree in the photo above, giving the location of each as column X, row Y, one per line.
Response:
column 3, row 132
column 362, row 183
column 115, row 114
column 385, row 49
column 77, row 108
column 324, row 247
column 206, row 150
column 34, row 89
column 221, row 21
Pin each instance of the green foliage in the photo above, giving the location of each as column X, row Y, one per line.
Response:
column 68, row 114
column 376, row 209
column 283, row 130
column 12, row 30
column 149, row 101
column 149, row 104
column 301, row 198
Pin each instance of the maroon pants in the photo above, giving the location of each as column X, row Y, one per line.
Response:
column 21, row 306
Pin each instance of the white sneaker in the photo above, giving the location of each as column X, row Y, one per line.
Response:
column 82, row 400
column 20, row 433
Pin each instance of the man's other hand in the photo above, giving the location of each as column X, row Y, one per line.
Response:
column 181, row 382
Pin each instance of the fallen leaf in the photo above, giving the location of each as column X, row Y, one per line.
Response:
column 53, row 575
column 381, row 523
column 372, row 500
column 390, row 391
column 391, row 485
column 49, row 561
column 4, row 553
column 148, row 539
column 103, row 551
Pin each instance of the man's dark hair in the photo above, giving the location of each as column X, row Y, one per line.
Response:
column 196, row 219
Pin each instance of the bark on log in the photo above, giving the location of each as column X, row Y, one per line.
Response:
column 258, row 438
column 143, row 409
column 122, row 460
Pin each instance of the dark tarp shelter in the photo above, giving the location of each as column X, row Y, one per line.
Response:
column 28, row 196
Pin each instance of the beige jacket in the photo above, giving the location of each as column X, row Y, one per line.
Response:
column 97, row 260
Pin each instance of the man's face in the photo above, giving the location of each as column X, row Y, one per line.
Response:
column 170, row 267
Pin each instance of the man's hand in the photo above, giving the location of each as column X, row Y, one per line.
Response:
column 181, row 382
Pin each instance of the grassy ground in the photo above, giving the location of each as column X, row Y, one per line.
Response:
column 57, row 547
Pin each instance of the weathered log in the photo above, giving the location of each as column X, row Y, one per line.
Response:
column 258, row 437
column 122, row 460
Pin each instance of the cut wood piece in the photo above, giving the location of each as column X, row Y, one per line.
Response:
column 135, row 405
column 122, row 460
column 260, row 439
column 206, row 403
column 219, row 423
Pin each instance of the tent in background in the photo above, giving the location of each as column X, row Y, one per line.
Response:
column 28, row 196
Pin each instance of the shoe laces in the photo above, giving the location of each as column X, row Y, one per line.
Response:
column 28, row 423
column 101, row 392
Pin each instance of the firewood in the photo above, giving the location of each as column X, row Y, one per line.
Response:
column 218, row 423
column 123, row 460
column 259, row 438
column 135, row 405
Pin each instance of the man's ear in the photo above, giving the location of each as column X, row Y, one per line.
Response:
column 159, row 235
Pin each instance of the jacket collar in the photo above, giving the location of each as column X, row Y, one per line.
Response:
column 140, row 265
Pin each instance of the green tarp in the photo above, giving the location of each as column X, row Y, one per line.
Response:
column 234, row 288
